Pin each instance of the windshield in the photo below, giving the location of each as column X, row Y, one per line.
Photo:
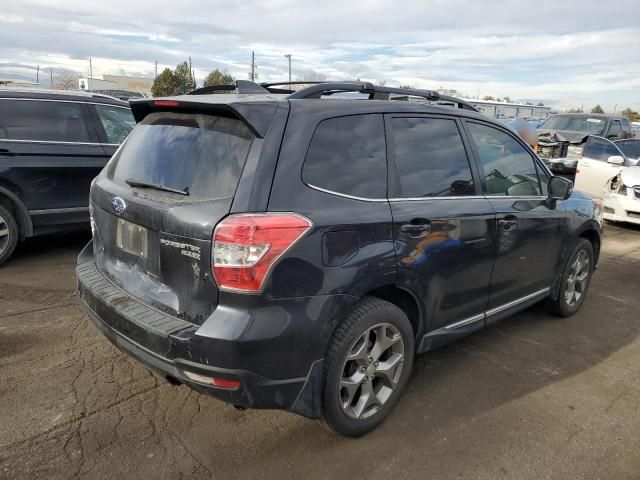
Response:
column 585, row 124
column 630, row 148
column 195, row 153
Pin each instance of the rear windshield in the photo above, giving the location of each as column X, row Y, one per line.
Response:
column 202, row 155
column 587, row 124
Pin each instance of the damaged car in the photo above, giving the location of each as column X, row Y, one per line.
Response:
column 561, row 138
column 602, row 159
column 622, row 197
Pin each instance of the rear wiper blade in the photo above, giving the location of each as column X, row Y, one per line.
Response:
column 155, row 186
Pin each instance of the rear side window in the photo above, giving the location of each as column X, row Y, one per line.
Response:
column 50, row 121
column 116, row 122
column 196, row 153
column 347, row 155
column 601, row 149
column 508, row 169
column 430, row 158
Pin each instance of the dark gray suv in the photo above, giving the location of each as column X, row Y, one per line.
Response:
column 296, row 251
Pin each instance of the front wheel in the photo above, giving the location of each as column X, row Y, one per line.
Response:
column 575, row 280
column 367, row 366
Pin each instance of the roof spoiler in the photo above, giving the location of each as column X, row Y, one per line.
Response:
column 241, row 86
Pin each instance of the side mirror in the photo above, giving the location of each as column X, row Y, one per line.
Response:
column 560, row 188
column 616, row 160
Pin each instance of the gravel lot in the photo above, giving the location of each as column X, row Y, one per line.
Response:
column 533, row 397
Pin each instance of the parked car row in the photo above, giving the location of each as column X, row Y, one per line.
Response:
column 52, row 145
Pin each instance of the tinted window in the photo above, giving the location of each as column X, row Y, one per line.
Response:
column 599, row 149
column 626, row 126
column 631, row 148
column 44, row 120
column 430, row 158
column 544, row 178
column 507, row 167
column 615, row 128
column 202, row 154
column 576, row 123
column 116, row 122
column 347, row 155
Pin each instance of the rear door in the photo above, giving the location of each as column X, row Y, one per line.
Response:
column 443, row 228
column 593, row 168
column 51, row 153
column 530, row 231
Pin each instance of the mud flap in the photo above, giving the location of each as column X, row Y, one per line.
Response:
column 309, row 401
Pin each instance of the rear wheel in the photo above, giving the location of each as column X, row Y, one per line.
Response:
column 575, row 281
column 367, row 367
column 8, row 234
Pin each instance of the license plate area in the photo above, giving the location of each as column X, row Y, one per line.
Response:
column 132, row 238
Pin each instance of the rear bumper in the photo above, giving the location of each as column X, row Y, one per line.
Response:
column 173, row 348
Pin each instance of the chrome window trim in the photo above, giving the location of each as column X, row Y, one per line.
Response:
column 64, row 101
column 415, row 199
column 59, row 142
column 493, row 311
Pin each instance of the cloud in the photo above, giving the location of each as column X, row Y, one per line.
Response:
column 568, row 52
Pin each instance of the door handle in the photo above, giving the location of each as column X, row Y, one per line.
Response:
column 416, row 230
column 508, row 223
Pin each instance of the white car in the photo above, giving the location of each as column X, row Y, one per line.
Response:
column 608, row 170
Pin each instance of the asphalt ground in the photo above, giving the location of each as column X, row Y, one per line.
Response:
column 532, row 397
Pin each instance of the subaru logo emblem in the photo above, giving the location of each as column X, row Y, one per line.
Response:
column 118, row 205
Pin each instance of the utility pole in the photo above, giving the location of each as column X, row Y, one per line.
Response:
column 156, row 69
column 51, row 77
column 288, row 55
column 90, row 75
column 38, row 74
column 253, row 66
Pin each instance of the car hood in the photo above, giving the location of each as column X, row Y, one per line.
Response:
column 630, row 176
column 561, row 136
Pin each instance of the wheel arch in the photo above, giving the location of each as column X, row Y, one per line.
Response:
column 11, row 201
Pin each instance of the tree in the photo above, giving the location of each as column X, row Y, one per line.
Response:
column 165, row 84
column 597, row 109
column 507, row 99
column 540, row 104
column 184, row 79
column 66, row 81
column 406, row 87
column 632, row 115
column 218, row 78
column 575, row 110
column 488, row 98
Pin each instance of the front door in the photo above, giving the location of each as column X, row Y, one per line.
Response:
column 594, row 169
column 530, row 230
column 442, row 226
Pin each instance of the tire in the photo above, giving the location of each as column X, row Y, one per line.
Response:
column 9, row 234
column 361, row 391
column 567, row 303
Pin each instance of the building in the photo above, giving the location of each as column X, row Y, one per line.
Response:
column 509, row 111
column 119, row 86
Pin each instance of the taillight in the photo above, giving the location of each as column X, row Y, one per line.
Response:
column 165, row 103
column 246, row 246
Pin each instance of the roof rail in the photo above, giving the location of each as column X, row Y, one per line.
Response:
column 375, row 92
column 241, row 86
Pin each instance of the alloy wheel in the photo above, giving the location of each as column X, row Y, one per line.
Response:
column 4, row 235
column 577, row 279
column 371, row 371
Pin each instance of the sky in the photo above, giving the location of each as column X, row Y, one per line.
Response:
column 564, row 53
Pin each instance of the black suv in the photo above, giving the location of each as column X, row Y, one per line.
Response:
column 295, row 252
column 52, row 144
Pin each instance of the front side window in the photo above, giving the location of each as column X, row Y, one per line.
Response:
column 630, row 148
column 38, row 120
column 347, row 155
column 116, row 122
column 600, row 149
column 615, row 129
column 430, row 159
column 508, row 169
